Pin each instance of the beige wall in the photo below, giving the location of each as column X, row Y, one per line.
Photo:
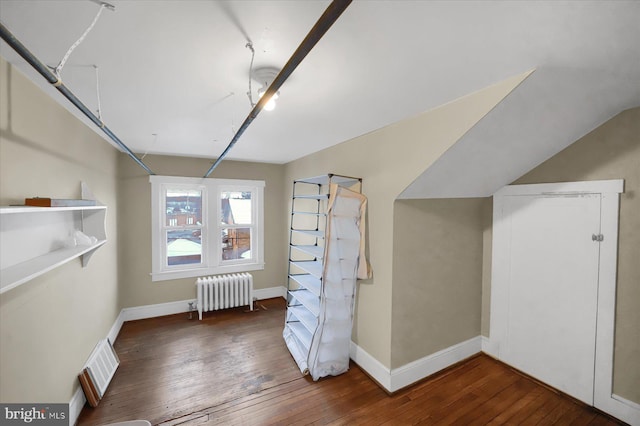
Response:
column 437, row 270
column 388, row 160
column 134, row 226
column 612, row 151
column 49, row 325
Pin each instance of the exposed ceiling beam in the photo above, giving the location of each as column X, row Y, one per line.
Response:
column 21, row 49
column 330, row 15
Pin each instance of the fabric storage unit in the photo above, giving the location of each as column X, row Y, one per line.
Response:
column 326, row 257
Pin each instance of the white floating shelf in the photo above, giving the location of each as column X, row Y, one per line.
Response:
column 15, row 275
column 31, row 209
column 34, row 240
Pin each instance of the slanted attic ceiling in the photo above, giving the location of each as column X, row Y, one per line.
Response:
column 548, row 111
column 174, row 74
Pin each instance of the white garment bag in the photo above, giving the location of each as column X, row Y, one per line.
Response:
column 329, row 354
column 344, row 263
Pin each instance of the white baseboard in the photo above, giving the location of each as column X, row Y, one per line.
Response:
column 151, row 311
column 75, row 406
column 371, row 366
column 158, row 310
column 631, row 404
column 270, row 293
column 115, row 328
column 398, row 378
column 417, row 370
column 147, row 311
column 485, row 342
column 177, row 307
column 623, row 409
column 490, row 347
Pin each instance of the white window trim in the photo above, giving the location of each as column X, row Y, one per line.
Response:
column 212, row 262
column 161, row 227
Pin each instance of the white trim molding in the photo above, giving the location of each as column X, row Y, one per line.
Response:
column 115, row 328
column 623, row 409
column 178, row 307
column 615, row 186
column 486, row 345
column 270, row 293
column 75, row 405
column 374, row 368
column 210, row 225
column 401, row 377
column 158, row 310
column 408, row 374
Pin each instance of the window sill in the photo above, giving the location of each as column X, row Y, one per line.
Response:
column 199, row 272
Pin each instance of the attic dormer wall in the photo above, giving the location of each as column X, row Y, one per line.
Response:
column 49, row 325
column 388, row 160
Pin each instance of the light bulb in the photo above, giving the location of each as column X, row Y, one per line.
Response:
column 271, row 104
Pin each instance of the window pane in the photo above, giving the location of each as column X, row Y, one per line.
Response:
column 236, row 243
column 184, row 247
column 183, row 207
column 236, row 207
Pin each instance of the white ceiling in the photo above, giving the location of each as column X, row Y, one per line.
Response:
column 180, row 69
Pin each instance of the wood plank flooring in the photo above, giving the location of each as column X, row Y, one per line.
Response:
column 233, row 368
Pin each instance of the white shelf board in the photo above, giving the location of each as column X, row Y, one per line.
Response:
column 32, row 209
column 15, row 275
column 312, row 196
column 308, row 281
column 301, row 333
column 310, row 213
column 313, row 267
column 315, row 251
column 305, row 317
column 308, row 300
column 313, row 233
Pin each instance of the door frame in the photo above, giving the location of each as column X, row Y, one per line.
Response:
column 609, row 190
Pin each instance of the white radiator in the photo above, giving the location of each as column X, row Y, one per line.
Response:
column 224, row 291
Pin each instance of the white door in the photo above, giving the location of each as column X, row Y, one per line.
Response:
column 552, row 293
column 553, row 288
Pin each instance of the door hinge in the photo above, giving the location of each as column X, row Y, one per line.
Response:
column 598, row 237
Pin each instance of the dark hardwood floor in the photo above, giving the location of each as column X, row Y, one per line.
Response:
column 233, row 368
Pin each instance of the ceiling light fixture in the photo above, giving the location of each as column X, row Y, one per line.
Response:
column 271, row 103
column 265, row 76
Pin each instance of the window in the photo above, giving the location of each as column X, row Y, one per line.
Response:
column 205, row 226
column 183, row 230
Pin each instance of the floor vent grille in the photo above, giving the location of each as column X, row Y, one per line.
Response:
column 98, row 371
